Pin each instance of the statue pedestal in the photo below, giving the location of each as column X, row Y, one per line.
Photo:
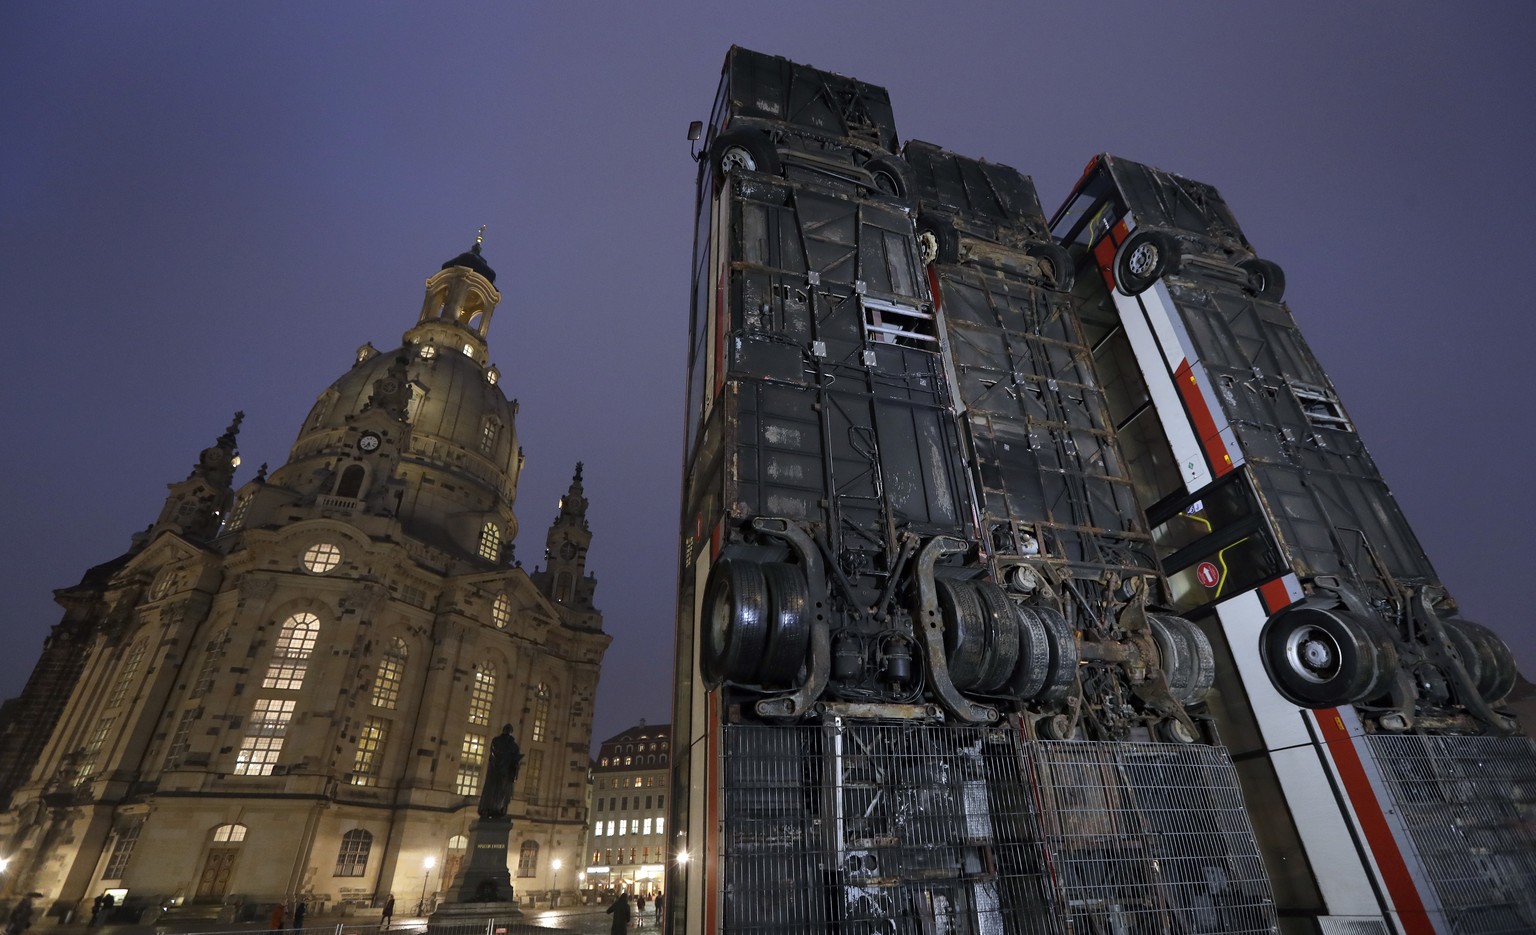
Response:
column 483, row 885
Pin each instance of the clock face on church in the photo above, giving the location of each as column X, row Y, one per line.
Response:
column 369, row 442
column 568, row 551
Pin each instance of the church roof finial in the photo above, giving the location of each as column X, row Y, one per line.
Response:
column 227, row 440
column 471, row 259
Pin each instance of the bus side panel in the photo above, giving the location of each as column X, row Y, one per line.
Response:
column 1298, row 440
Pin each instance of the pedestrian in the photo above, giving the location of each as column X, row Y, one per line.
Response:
column 278, row 911
column 658, row 910
column 299, row 912
column 21, row 915
column 620, row 912
column 640, row 904
column 96, row 909
column 389, row 911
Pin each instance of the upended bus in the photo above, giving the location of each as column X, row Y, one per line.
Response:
column 1391, row 791
column 929, row 679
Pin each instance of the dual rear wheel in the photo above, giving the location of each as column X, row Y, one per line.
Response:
column 995, row 647
column 756, row 624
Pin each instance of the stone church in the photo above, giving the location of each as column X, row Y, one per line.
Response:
column 287, row 690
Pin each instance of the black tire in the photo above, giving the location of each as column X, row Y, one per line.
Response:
column 747, row 150
column 1265, row 278
column 892, row 176
column 1470, row 651
column 1143, row 259
column 1002, row 651
column 1323, row 657
column 1055, row 265
column 1061, row 675
column 1498, row 664
column 789, row 626
column 937, row 240
column 735, row 622
column 965, row 632
column 1034, row 664
column 1188, row 660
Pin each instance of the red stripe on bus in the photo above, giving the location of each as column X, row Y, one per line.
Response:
column 1275, row 595
column 705, row 858
column 1373, row 824
column 1104, row 254
column 933, row 286
column 1205, row 425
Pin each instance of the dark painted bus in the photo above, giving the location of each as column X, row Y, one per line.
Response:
column 1390, row 789
column 926, row 681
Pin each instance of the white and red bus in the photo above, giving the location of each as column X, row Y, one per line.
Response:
column 1390, row 791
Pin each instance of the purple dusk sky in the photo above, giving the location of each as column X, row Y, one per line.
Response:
column 208, row 207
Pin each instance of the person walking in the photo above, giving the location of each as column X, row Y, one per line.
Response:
column 299, row 912
column 21, row 915
column 658, row 909
column 620, row 912
column 640, row 905
column 276, row 919
column 389, row 911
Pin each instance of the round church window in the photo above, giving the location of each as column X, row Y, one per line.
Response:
column 322, row 557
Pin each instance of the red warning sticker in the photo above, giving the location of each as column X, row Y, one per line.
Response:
column 1208, row 574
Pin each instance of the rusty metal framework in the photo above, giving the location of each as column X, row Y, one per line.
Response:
column 914, row 829
column 1469, row 806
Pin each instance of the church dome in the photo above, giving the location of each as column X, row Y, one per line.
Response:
column 422, row 432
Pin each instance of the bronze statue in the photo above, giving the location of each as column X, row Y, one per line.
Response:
column 500, row 773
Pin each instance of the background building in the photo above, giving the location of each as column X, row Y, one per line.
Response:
column 289, row 689
column 627, row 836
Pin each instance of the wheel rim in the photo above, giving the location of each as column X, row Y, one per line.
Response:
column 737, row 157
column 886, row 182
column 1143, row 259
column 927, row 246
column 1314, row 654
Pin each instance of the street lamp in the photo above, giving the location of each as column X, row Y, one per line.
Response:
column 554, row 896
column 426, row 867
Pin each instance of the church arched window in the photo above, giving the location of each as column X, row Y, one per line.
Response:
column 528, row 859
column 481, row 694
column 563, row 587
column 540, row 712
column 386, row 679
column 501, row 611
column 490, row 542
column 352, row 858
column 351, row 483
column 290, row 657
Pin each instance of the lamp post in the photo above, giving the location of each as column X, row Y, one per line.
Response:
column 426, row 874
column 554, row 896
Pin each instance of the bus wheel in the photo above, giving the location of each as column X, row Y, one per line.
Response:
column 1002, row 650
column 789, row 630
column 1495, row 675
column 1055, row 265
column 892, row 175
column 1501, row 659
column 964, row 632
column 1471, row 654
column 1061, row 675
column 1143, row 259
column 1034, row 664
column 937, row 240
column 735, row 621
column 743, row 150
column 1265, row 278
column 1319, row 657
column 1188, row 661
